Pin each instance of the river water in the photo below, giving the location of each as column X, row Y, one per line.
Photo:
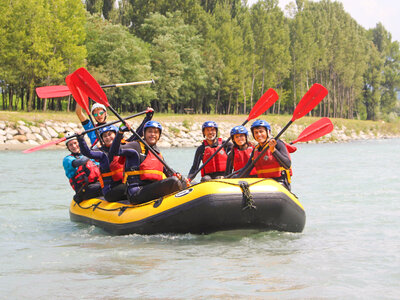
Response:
column 350, row 247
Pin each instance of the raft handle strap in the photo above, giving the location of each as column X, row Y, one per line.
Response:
column 248, row 201
column 96, row 205
column 122, row 210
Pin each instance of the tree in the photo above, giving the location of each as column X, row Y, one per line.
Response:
column 114, row 56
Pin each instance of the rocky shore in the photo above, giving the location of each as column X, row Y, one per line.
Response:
column 21, row 135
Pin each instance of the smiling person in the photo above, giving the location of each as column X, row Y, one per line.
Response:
column 83, row 173
column 215, row 167
column 276, row 163
column 241, row 151
column 111, row 166
column 99, row 112
column 145, row 176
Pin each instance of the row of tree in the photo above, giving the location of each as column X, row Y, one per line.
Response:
column 210, row 55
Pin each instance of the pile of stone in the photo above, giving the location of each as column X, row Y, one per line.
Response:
column 175, row 134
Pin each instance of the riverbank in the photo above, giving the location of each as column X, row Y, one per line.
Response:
column 21, row 130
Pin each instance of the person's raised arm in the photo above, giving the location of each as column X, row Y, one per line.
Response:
column 97, row 155
column 80, row 114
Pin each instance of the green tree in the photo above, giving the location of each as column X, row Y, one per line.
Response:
column 115, row 56
column 177, row 62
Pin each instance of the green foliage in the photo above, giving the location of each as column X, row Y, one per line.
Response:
column 216, row 56
column 187, row 123
column 116, row 56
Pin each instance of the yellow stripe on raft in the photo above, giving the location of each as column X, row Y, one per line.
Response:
column 135, row 213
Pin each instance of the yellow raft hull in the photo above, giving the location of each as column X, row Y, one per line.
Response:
column 207, row 207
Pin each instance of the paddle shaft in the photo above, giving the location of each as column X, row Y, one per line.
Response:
column 127, row 83
column 251, row 166
column 212, row 156
column 63, row 91
column 36, row 148
column 143, row 141
column 264, row 103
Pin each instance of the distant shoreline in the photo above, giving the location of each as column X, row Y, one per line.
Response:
column 20, row 131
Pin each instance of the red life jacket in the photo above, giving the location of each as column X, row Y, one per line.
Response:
column 116, row 170
column 218, row 163
column 268, row 166
column 150, row 169
column 241, row 157
column 85, row 174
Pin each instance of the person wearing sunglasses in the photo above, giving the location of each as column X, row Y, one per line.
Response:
column 99, row 112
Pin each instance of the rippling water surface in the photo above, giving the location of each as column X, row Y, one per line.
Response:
column 350, row 247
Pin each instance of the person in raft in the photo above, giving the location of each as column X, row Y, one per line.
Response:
column 111, row 166
column 83, row 173
column 241, row 151
column 145, row 176
column 216, row 167
column 276, row 163
column 99, row 112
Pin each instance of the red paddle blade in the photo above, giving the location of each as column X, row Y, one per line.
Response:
column 310, row 100
column 85, row 81
column 44, row 145
column 263, row 104
column 315, row 130
column 80, row 97
column 54, row 91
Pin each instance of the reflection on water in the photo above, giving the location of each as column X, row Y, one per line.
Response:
column 348, row 248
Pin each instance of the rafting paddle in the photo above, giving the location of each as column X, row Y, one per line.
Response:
column 36, row 148
column 56, row 91
column 85, row 81
column 83, row 101
column 312, row 132
column 310, row 100
column 315, row 130
column 261, row 106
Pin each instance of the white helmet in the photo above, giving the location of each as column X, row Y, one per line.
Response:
column 98, row 105
column 67, row 135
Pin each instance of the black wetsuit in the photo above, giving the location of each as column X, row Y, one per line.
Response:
column 113, row 190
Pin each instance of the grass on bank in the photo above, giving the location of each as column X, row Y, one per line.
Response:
column 350, row 125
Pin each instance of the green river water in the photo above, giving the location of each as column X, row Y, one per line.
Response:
column 349, row 249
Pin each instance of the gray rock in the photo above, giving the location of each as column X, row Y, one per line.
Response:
column 2, row 139
column 2, row 132
column 31, row 136
column 11, row 131
column 25, row 129
column 20, row 122
column 72, row 125
column 2, row 125
column 52, row 132
column 45, row 134
column 35, row 129
column 38, row 137
column 59, row 128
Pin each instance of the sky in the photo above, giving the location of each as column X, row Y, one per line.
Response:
column 368, row 13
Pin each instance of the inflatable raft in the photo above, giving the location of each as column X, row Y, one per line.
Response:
column 216, row 205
